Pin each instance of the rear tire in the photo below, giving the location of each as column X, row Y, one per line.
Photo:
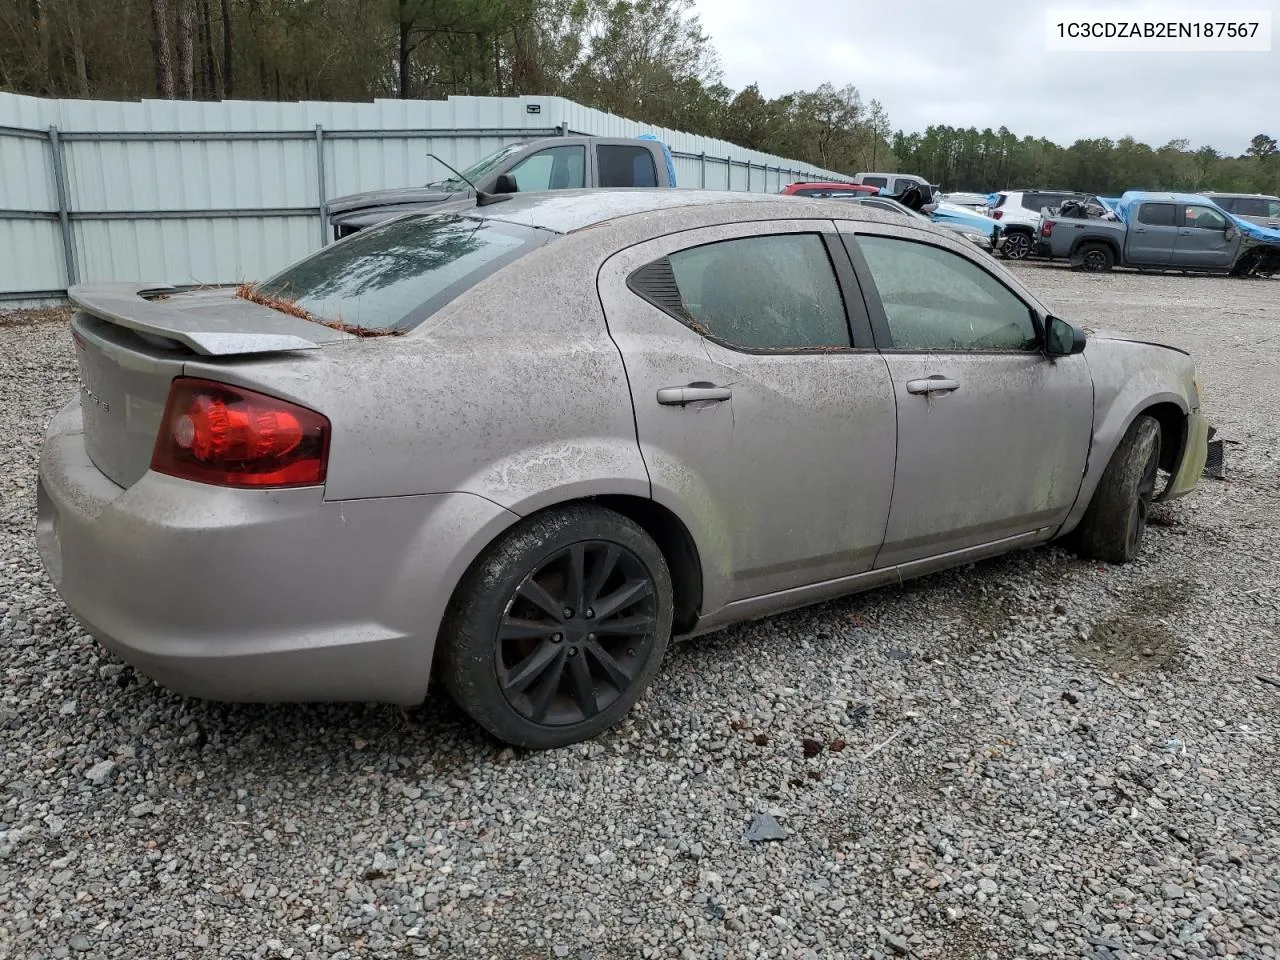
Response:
column 1095, row 258
column 557, row 630
column 1114, row 524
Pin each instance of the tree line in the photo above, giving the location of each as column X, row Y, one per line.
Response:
column 647, row 60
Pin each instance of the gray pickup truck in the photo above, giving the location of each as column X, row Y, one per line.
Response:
column 552, row 163
column 1162, row 231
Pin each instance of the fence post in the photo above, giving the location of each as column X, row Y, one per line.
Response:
column 728, row 175
column 64, row 218
column 324, row 226
column 748, row 176
column 702, row 166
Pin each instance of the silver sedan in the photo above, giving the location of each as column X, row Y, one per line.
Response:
column 518, row 447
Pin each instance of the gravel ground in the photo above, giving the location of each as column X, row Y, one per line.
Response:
column 1036, row 756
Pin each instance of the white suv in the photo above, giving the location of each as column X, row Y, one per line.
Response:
column 1019, row 213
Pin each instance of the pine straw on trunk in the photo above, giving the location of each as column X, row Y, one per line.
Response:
column 250, row 292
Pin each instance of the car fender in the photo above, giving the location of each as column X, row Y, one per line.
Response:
column 545, row 474
column 1128, row 377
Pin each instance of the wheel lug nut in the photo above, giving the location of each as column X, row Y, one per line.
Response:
column 590, row 613
column 573, row 651
column 557, row 637
column 591, row 636
column 568, row 611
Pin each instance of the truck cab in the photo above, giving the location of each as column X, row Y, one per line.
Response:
column 550, row 163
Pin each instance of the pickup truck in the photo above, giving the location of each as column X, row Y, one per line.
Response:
column 1163, row 231
column 552, row 163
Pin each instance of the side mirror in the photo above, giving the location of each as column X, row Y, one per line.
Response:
column 505, row 183
column 1231, row 232
column 1061, row 339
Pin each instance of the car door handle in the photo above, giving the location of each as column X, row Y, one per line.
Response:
column 692, row 393
column 1186, row 232
column 932, row 385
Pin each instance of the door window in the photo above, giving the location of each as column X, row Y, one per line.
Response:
column 1251, row 206
column 937, row 300
column 626, row 166
column 1157, row 214
column 775, row 292
column 557, row 168
column 875, row 181
column 1203, row 218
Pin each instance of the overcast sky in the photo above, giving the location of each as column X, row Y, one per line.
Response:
column 984, row 63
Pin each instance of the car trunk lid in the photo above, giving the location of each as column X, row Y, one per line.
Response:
column 131, row 341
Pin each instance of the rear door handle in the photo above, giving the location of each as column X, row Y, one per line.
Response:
column 692, row 393
column 932, row 385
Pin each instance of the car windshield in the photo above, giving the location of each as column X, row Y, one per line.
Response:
column 391, row 277
column 479, row 169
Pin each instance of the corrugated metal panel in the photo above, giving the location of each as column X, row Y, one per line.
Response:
column 112, row 167
column 34, row 249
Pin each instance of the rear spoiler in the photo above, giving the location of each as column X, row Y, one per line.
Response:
column 208, row 328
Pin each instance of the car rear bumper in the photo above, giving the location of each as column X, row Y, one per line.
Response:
column 255, row 595
column 1194, row 456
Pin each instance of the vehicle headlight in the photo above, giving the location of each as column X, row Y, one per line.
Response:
column 974, row 237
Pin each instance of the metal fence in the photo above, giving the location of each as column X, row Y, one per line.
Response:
column 209, row 193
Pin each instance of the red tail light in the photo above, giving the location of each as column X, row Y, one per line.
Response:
column 1046, row 228
column 997, row 214
column 233, row 437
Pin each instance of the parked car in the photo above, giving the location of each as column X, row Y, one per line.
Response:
column 1019, row 213
column 980, row 237
column 975, row 201
column 825, row 189
column 527, row 443
column 895, row 183
column 1174, row 231
column 551, row 163
column 1257, row 208
column 952, row 215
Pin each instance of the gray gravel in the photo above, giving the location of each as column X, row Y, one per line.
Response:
column 1033, row 757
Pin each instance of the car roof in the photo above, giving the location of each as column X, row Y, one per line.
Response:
column 1153, row 196
column 565, row 211
column 1242, row 196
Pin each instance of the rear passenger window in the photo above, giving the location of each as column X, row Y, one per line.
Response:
column 876, row 181
column 1250, row 206
column 1157, row 214
column 626, row 166
column 759, row 293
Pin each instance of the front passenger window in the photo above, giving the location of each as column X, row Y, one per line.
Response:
column 937, row 300
column 558, row 168
column 1204, row 218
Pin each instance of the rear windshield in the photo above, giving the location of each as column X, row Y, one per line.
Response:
column 393, row 276
column 876, row 181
